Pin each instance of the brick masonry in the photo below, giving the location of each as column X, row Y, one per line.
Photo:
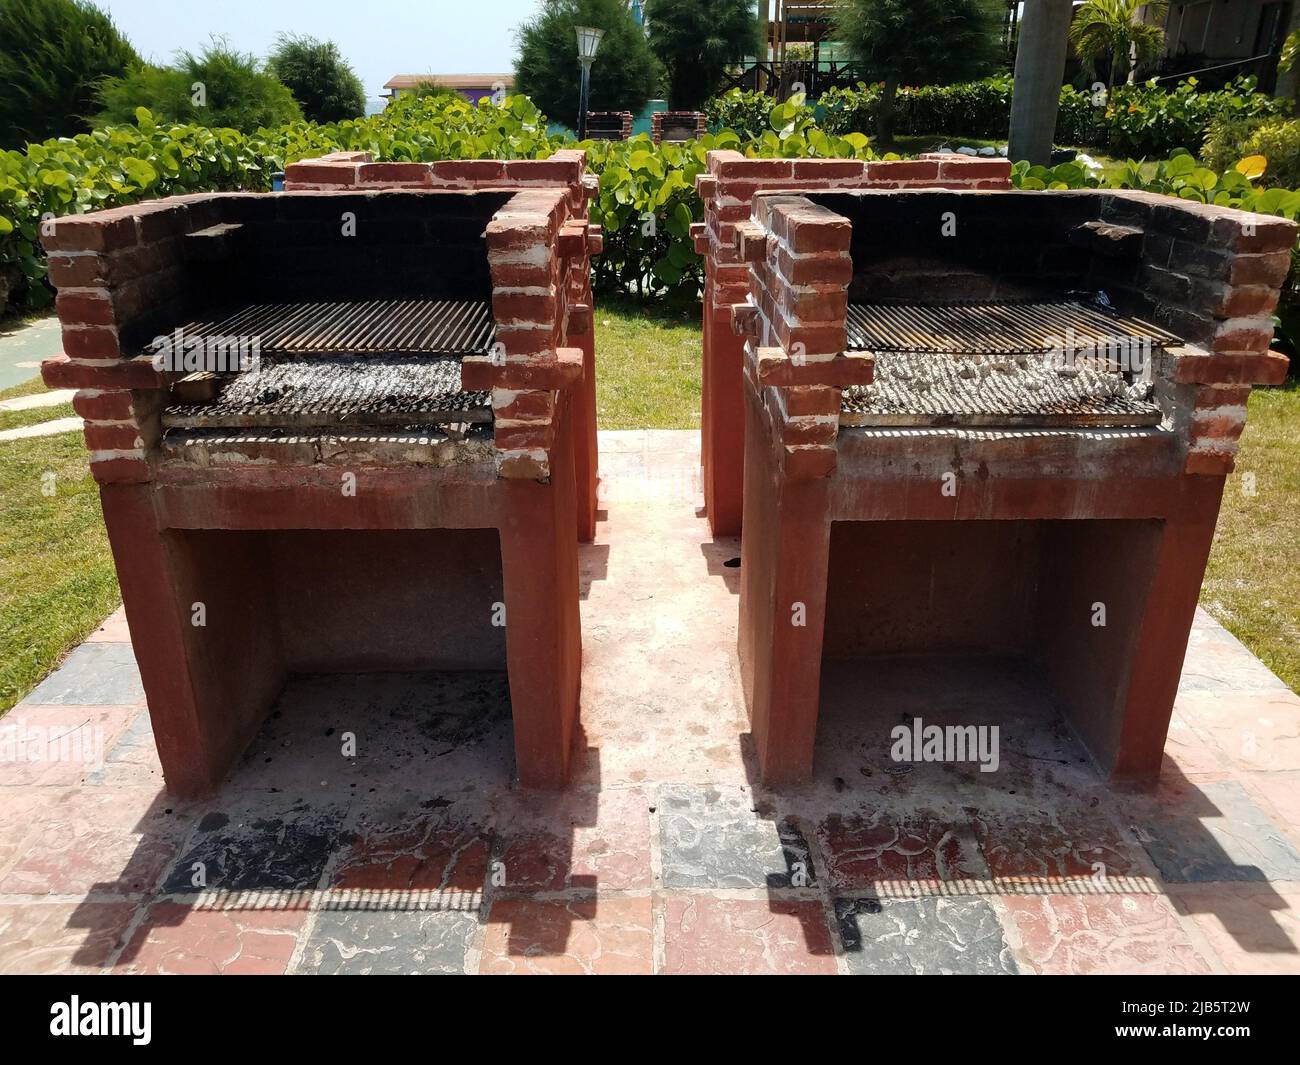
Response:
column 728, row 190
column 119, row 270
column 128, row 274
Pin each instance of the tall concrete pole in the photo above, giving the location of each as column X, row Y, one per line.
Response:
column 1040, row 69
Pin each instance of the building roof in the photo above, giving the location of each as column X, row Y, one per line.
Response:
column 451, row 81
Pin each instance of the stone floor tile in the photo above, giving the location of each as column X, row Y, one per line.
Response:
column 113, row 841
column 1252, row 929
column 1080, row 934
column 256, row 842
column 177, row 939
column 1218, row 662
column 94, row 674
column 713, row 838
column 925, row 936
column 1281, row 792
column 1255, row 730
column 432, row 861
column 1212, row 831
column 863, row 850
column 705, row 934
column 607, row 936
column 132, row 761
column 56, row 745
column 21, row 812
column 400, row 843
column 60, row 937
column 1041, row 845
column 388, row 942
column 1192, row 755
column 580, row 839
column 113, row 630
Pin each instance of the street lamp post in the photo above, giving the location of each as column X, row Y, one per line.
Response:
column 588, row 41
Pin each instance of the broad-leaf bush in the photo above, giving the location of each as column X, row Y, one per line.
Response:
column 1277, row 140
column 1180, row 175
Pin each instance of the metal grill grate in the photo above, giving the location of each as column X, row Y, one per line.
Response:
column 450, row 327
column 917, row 389
column 329, row 390
column 995, row 328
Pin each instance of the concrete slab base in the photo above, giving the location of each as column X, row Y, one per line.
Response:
column 372, row 826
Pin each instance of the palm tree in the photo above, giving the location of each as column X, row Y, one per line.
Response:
column 1111, row 28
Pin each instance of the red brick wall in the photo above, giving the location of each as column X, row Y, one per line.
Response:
column 796, row 253
column 122, row 272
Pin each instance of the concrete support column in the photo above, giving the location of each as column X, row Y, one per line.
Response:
column 208, row 686
column 586, row 454
column 722, row 421
column 784, row 555
column 539, row 563
column 1040, row 68
column 1162, row 636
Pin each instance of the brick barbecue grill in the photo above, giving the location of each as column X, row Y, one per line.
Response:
column 609, row 125
column 393, row 483
column 728, row 191
column 676, row 127
column 991, row 424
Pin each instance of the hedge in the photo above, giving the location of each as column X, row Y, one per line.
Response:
column 647, row 198
column 1130, row 120
column 647, row 194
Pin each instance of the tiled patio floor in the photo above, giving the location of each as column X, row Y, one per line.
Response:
column 417, row 855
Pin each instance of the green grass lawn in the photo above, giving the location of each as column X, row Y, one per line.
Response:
column 56, row 574
column 1252, row 585
column 14, row 419
column 647, row 366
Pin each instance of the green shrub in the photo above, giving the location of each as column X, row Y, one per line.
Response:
column 219, row 87
column 1180, row 175
column 646, row 202
column 929, row 41
column 52, row 55
column 975, row 108
column 326, row 88
column 1277, row 140
column 744, row 112
column 112, row 166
